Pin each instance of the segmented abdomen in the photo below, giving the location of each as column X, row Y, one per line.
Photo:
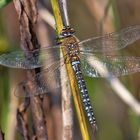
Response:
column 84, row 93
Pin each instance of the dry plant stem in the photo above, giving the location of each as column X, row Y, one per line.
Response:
column 67, row 112
column 38, row 116
column 27, row 14
column 73, row 84
column 97, row 9
column 21, row 119
column 1, row 135
column 125, row 95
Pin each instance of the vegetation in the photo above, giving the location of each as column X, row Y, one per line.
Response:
column 116, row 120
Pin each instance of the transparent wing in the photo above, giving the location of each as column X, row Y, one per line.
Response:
column 112, row 41
column 103, row 66
column 45, row 81
column 16, row 59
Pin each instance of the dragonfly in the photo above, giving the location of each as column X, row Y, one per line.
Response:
column 77, row 54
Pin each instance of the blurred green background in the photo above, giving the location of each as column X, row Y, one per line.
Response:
column 116, row 121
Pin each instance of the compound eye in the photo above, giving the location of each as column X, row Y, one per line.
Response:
column 65, row 34
column 62, row 35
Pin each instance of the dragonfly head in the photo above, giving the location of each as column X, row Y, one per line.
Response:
column 66, row 32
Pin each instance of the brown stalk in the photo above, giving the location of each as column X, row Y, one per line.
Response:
column 27, row 15
column 21, row 119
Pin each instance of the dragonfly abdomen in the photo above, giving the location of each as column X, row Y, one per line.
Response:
column 84, row 93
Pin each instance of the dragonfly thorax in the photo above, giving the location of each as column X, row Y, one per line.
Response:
column 71, row 46
column 70, row 43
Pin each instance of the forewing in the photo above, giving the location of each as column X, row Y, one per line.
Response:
column 34, row 59
column 111, row 42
